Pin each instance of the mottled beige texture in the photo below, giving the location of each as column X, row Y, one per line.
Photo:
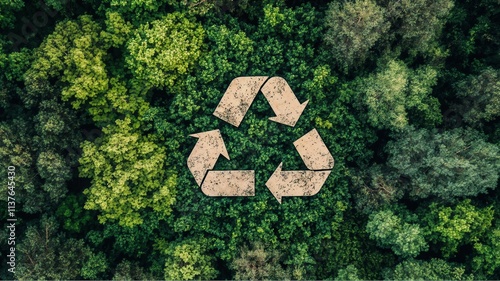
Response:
column 237, row 99
column 314, row 152
column 283, row 101
column 295, row 183
column 205, row 153
column 229, row 183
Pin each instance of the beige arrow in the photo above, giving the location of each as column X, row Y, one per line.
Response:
column 205, row 153
column 229, row 183
column 237, row 99
column 283, row 101
column 314, row 152
column 295, row 183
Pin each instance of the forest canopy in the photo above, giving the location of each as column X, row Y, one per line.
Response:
column 98, row 99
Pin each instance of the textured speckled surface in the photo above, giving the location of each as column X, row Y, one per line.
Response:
column 205, row 153
column 229, row 183
column 237, row 99
column 283, row 101
column 314, row 152
column 296, row 183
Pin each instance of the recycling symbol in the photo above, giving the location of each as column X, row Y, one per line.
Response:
column 232, row 109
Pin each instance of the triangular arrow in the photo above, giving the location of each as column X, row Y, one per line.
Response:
column 205, row 153
column 316, row 157
column 295, row 183
column 283, row 101
column 237, row 99
column 314, row 152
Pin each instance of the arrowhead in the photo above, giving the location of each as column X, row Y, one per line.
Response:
column 295, row 183
column 205, row 153
column 274, row 183
column 212, row 141
column 283, row 101
column 290, row 118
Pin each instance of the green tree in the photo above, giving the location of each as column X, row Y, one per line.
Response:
column 350, row 247
column 448, row 165
column 480, row 96
column 126, row 270
column 486, row 259
column 406, row 240
column 258, row 263
column 219, row 63
column 220, row 6
column 73, row 54
column 422, row 106
column 95, row 267
column 453, row 227
column 471, row 34
column 128, row 175
column 132, row 243
column 162, row 51
column 348, row 273
column 54, row 169
column 353, row 28
column 118, row 30
column 72, row 213
column 7, row 10
column 4, row 93
column 39, row 136
column 43, row 150
column 137, row 11
column 16, row 151
column 53, row 122
column 45, row 253
column 188, row 260
column 375, row 188
column 56, row 138
column 16, row 64
column 74, row 58
column 434, row 269
column 395, row 92
column 418, row 24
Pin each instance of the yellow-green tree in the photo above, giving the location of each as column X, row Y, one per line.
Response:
column 161, row 51
column 395, row 93
column 128, row 175
column 451, row 227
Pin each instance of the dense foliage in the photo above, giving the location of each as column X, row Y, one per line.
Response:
column 97, row 99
